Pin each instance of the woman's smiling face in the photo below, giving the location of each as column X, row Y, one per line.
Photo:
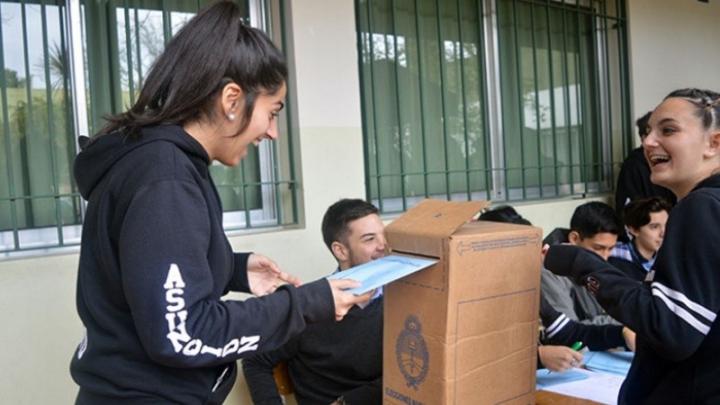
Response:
column 677, row 147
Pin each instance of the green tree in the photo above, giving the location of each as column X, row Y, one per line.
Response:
column 12, row 80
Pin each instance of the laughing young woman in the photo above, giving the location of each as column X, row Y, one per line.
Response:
column 154, row 260
column 674, row 315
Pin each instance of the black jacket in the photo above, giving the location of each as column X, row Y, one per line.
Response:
column 559, row 329
column 674, row 315
column 154, row 263
column 326, row 361
column 633, row 269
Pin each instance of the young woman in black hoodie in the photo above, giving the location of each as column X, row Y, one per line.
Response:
column 154, row 260
column 674, row 314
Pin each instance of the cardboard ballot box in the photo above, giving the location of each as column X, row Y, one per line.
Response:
column 463, row 331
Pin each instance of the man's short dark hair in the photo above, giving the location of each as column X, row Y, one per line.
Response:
column 505, row 214
column 339, row 215
column 637, row 213
column 642, row 124
column 593, row 218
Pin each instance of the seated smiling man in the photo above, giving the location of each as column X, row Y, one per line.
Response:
column 334, row 362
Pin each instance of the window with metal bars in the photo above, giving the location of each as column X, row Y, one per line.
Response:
column 39, row 205
column 491, row 99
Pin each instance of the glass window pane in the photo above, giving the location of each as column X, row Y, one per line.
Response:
column 425, row 107
column 36, row 142
column 39, row 204
column 424, row 114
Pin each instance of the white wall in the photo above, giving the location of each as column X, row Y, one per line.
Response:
column 674, row 44
column 40, row 328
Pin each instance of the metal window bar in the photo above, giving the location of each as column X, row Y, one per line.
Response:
column 483, row 94
column 608, row 140
column 362, row 54
column 441, row 57
column 371, row 62
column 128, row 51
column 8, row 145
column 623, row 117
column 77, row 204
column 258, row 19
column 423, row 134
column 521, row 104
column 581, row 98
column 141, row 77
column 400, row 124
column 29, row 122
column 624, row 76
column 566, row 89
column 599, row 96
column 464, row 102
column 273, row 206
column 492, row 99
column 51, row 129
column 552, row 99
column 537, row 98
column 292, row 182
column 166, row 21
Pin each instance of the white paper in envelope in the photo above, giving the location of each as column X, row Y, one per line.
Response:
column 377, row 273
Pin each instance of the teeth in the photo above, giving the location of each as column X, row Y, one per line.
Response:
column 655, row 159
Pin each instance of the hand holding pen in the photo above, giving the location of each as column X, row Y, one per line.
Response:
column 560, row 358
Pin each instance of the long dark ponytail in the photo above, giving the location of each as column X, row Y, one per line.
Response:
column 213, row 49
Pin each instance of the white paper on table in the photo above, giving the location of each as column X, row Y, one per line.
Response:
column 377, row 273
column 598, row 387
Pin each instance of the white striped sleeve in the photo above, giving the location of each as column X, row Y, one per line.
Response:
column 695, row 315
column 557, row 326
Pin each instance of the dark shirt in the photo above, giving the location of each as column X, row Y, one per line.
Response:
column 327, row 361
column 634, row 182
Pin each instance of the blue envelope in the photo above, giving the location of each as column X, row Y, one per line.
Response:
column 377, row 273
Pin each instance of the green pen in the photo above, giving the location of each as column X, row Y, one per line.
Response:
column 575, row 346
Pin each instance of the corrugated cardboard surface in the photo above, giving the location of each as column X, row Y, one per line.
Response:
column 464, row 331
column 423, row 227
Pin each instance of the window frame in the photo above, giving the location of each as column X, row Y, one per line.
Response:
column 61, row 238
column 498, row 189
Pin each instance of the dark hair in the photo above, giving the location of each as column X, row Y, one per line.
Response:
column 505, row 214
column 339, row 215
column 213, row 49
column 593, row 218
column 642, row 125
column 707, row 103
column 637, row 213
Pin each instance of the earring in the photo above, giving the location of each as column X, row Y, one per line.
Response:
column 231, row 117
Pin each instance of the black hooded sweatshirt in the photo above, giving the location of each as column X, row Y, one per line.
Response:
column 673, row 313
column 154, row 263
